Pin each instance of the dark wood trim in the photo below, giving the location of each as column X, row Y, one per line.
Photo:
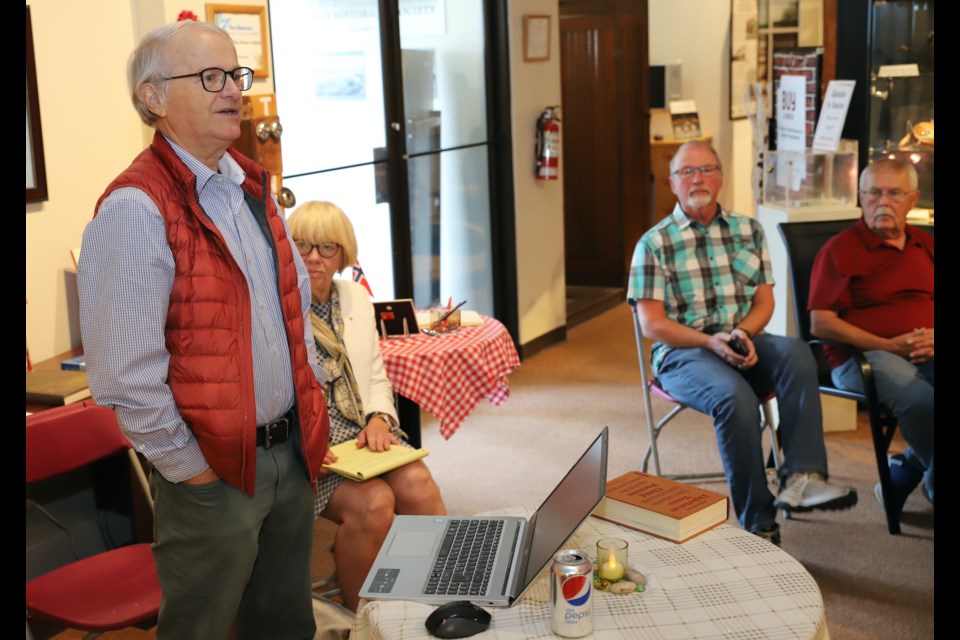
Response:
column 535, row 346
column 596, row 7
column 829, row 44
column 398, row 176
column 503, row 225
column 853, row 20
column 37, row 193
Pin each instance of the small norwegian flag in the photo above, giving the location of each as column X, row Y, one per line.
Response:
column 362, row 279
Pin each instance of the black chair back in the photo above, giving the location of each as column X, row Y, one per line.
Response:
column 803, row 241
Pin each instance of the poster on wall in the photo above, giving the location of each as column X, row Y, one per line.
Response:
column 743, row 57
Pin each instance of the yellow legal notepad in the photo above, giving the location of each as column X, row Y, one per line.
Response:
column 363, row 464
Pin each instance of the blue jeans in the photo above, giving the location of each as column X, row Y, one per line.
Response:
column 701, row 380
column 907, row 390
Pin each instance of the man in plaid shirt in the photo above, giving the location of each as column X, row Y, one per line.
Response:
column 701, row 283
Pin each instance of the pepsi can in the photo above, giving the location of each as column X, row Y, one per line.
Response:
column 571, row 583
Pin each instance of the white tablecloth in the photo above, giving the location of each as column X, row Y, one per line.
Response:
column 725, row 583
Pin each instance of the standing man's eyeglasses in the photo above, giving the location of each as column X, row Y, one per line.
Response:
column 214, row 79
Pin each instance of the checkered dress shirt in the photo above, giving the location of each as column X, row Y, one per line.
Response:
column 705, row 276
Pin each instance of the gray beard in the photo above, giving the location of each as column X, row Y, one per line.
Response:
column 699, row 200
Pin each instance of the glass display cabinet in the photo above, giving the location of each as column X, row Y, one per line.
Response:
column 887, row 47
column 901, row 87
column 801, row 179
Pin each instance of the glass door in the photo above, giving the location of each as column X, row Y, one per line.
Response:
column 329, row 81
column 406, row 160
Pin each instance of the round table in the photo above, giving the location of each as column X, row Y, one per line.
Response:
column 724, row 583
column 449, row 374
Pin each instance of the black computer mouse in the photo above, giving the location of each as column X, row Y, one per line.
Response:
column 457, row 620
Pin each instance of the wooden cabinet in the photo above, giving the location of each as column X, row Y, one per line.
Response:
column 661, row 151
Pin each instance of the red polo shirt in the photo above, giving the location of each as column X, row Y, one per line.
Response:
column 874, row 285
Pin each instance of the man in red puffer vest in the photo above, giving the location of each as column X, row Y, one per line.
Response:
column 192, row 307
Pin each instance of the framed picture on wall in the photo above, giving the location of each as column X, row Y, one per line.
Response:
column 536, row 38
column 247, row 26
column 36, row 169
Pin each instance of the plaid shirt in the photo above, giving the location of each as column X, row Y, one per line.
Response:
column 705, row 276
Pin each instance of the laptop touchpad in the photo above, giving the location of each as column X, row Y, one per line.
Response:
column 412, row 544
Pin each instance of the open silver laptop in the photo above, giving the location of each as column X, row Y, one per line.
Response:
column 418, row 561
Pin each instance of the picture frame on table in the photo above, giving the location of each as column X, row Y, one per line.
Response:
column 36, row 172
column 247, row 26
column 395, row 318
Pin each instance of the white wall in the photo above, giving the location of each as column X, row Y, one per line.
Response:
column 697, row 32
column 90, row 134
column 541, row 286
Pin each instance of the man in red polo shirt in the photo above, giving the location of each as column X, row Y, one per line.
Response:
column 872, row 287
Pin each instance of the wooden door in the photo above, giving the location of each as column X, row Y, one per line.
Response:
column 605, row 120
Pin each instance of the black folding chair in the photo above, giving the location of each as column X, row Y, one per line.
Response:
column 803, row 241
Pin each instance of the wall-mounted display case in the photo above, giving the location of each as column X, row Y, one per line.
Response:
column 887, row 47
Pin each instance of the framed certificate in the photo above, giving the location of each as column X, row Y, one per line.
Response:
column 536, row 38
column 247, row 26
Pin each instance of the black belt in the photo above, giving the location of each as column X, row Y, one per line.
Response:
column 275, row 432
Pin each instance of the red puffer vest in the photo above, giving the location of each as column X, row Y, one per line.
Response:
column 208, row 321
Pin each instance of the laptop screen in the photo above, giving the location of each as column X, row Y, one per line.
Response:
column 570, row 503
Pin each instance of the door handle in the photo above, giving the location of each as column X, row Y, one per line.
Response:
column 286, row 198
column 395, row 126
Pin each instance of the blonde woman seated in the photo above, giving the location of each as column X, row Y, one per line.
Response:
column 359, row 399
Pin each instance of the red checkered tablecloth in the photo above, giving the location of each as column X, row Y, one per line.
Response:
column 449, row 374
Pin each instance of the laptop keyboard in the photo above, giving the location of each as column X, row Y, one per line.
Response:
column 466, row 558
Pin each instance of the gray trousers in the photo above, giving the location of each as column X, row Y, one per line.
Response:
column 224, row 557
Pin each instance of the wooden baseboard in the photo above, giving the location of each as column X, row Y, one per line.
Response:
column 535, row 346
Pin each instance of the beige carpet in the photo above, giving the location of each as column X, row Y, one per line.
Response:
column 874, row 585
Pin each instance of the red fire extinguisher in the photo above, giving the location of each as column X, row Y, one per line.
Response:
column 548, row 144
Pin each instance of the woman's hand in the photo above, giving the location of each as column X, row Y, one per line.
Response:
column 328, row 457
column 376, row 435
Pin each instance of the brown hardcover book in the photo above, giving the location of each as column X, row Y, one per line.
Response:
column 661, row 507
column 56, row 386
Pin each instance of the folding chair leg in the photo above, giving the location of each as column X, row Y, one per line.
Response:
column 773, row 458
column 654, row 433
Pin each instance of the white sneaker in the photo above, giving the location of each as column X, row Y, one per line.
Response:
column 809, row 490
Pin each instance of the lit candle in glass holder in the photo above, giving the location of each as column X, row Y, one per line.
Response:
column 612, row 558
